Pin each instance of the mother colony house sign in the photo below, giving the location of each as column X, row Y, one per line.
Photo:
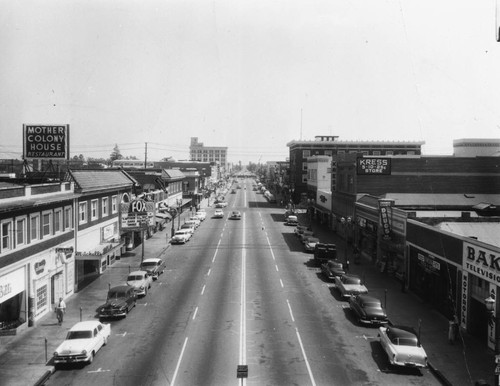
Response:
column 46, row 141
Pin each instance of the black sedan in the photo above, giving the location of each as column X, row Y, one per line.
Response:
column 332, row 269
column 368, row 309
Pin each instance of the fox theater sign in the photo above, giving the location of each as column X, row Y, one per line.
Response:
column 482, row 263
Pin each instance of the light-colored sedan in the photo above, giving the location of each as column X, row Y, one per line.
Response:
column 140, row 281
column 82, row 342
column 219, row 213
column 350, row 285
column 402, row 346
column 201, row 214
column 181, row 236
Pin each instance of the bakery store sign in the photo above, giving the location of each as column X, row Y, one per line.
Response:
column 481, row 262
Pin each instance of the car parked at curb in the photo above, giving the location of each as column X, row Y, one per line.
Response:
column 154, row 266
column 201, row 215
column 140, row 281
column 189, row 227
column 292, row 220
column 82, row 342
column 121, row 299
column 332, row 269
column 181, row 236
column 368, row 310
column 350, row 285
column 402, row 346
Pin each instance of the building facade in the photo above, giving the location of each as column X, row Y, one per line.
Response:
column 331, row 146
column 215, row 154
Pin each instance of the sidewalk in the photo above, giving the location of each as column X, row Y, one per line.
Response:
column 463, row 363
column 25, row 359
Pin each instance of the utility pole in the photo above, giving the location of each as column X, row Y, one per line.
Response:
column 145, row 155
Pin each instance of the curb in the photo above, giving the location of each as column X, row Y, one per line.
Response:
column 45, row 377
column 439, row 375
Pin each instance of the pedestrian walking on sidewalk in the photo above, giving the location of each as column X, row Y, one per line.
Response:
column 347, row 265
column 452, row 329
column 60, row 310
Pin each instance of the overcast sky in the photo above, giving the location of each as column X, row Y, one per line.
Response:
column 250, row 75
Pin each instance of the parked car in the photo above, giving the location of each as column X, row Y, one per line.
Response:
column 300, row 229
column 292, row 220
column 305, row 235
column 201, row 215
column 332, row 269
column 154, row 266
column 235, row 215
column 233, row 191
column 219, row 213
column 349, row 285
column 82, row 342
column 194, row 221
column 121, row 299
column 402, row 346
column 368, row 309
column 310, row 244
column 324, row 252
column 181, row 236
column 140, row 281
column 190, row 227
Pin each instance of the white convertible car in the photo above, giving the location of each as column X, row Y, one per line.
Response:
column 402, row 346
column 83, row 341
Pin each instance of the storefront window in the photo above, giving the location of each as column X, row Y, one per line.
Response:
column 41, row 298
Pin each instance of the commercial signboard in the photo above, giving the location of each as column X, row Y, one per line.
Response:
column 46, row 141
column 482, row 262
column 373, row 165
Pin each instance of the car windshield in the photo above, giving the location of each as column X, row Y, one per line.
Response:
column 116, row 295
column 135, row 277
column 79, row 335
column 405, row 342
column 148, row 264
column 371, row 305
column 351, row 280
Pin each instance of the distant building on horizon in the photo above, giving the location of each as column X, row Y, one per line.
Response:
column 476, row 147
column 215, row 154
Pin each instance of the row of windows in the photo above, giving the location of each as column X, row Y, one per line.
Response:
column 24, row 230
column 309, row 153
column 104, row 210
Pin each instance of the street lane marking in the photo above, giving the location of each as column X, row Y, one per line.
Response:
column 179, row 362
column 282, row 285
column 203, row 289
column 290, row 309
column 276, row 265
column 243, row 312
column 209, row 270
column 99, row 370
column 311, row 376
column 195, row 312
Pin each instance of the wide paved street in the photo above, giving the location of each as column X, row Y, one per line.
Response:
column 241, row 292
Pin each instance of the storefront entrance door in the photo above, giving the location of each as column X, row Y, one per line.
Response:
column 57, row 286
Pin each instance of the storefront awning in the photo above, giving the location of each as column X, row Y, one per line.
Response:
column 99, row 252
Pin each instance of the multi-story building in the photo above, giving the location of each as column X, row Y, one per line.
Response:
column 331, row 146
column 101, row 197
column 37, row 250
column 216, row 154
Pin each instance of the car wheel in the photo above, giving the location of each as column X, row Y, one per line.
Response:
column 91, row 358
column 105, row 342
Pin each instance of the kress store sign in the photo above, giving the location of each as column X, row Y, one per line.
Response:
column 482, row 262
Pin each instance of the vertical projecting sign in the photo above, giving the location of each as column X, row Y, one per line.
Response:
column 46, row 141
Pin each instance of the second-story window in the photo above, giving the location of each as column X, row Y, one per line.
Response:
column 20, row 231
column 6, row 231
column 58, row 221
column 93, row 209
column 46, row 224
column 114, row 204
column 68, row 218
column 82, row 212
column 105, row 206
column 34, row 227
